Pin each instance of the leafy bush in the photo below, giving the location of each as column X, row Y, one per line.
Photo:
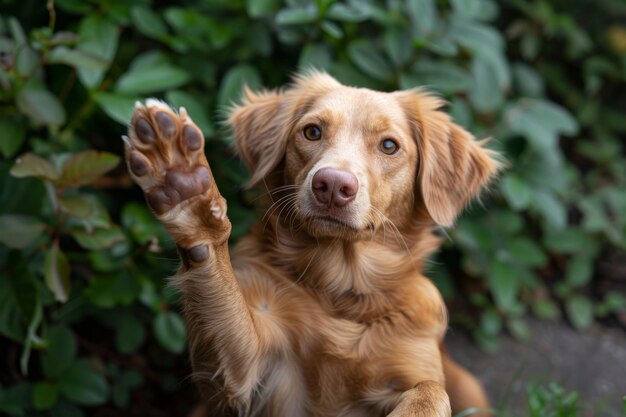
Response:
column 83, row 299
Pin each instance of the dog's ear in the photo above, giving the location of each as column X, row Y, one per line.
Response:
column 261, row 126
column 453, row 167
column 263, row 121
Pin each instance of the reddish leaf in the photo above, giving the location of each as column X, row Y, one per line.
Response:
column 86, row 167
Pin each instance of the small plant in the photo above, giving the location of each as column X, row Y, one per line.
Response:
column 552, row 401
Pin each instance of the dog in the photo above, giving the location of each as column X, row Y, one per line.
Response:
column 322, row 309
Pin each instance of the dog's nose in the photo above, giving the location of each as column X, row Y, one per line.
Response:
column 334, row 187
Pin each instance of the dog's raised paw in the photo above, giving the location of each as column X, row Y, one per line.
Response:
column 164, row 153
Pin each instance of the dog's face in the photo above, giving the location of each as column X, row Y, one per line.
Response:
column 352, row 155
column 351, row 159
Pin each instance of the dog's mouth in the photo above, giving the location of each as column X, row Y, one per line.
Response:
column 332, row 221
column 320, row 225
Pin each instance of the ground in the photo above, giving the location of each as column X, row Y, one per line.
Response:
column 591, row 362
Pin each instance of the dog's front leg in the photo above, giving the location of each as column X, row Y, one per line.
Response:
column 165, row 156
column 426, row 399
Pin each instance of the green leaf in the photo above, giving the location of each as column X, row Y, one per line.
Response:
column 527, row 252
column 503, row 283
column 569, row 241
column 139, row 221
column 233, row 82
column 552, row 210
column 157, row 78
column 45, row 395
column 475, row 9
column 112, row 290
column 332, row 29
column 118, row 107
column 12, row 324
column 20, row 231
column 41, row 106
column 441, row 46
column 84, row 385
column 169, row 330
column 423, row 15
column 491, row 322
column 315, row 55
column 297, row 16
column 127, row 381
column 528, row 80
column 367, row 58
column 479, row 38
column 441, row 75
column 579, row 270
column 148, row 22
column 130, row 334
column 22, row 284
column 16, row 399
column 505, row 221
column 540, row 122
column 99, row 38
column 483, row 95
column 260, row 8
column 516, row 191
column 57, row 273
column 13, row 134
column 346, row 13
column 85, row 167
column 64, row 408
column 98, row 238
column 580, row 311
column 519, row 329
column 76, row 206
column 546, row 309
column 31, row 165
column 60, row 353
column 26, row 60
column 85, row 210
column 595, row 218
column 76, row 58
column 196, row 110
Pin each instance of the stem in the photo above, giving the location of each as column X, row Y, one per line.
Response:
column 53, row 15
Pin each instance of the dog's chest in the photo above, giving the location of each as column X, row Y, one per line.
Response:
column 348, row 368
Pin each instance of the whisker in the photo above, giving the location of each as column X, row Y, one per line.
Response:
column 275, row 205
column 397, row 233
column 284, row 205
column 276, row 190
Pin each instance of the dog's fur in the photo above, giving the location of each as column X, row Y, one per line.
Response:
column 321, row 311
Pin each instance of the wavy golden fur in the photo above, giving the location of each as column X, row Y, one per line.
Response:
column 322, row 310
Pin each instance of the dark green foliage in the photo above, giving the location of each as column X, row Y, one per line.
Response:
column 83, row 295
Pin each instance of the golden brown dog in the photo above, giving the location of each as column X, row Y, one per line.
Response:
column 322, row 309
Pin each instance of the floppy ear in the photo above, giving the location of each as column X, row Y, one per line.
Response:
column 263, row 121
column 453, row 167
column 261, row 126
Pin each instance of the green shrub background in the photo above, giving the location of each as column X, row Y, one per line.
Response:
column 87, row 324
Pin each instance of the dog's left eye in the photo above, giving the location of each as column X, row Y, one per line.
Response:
column 312, row 132
column 389, row 146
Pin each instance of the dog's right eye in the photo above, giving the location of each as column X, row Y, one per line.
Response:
column 312, row 132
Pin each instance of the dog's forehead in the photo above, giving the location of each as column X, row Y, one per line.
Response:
column 360, row 107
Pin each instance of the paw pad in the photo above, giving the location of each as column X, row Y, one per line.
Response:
column 166, row 125
column 144, row 131
column 178, row 187
column 138, row 164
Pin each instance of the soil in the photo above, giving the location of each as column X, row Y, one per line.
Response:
column 593, row 363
